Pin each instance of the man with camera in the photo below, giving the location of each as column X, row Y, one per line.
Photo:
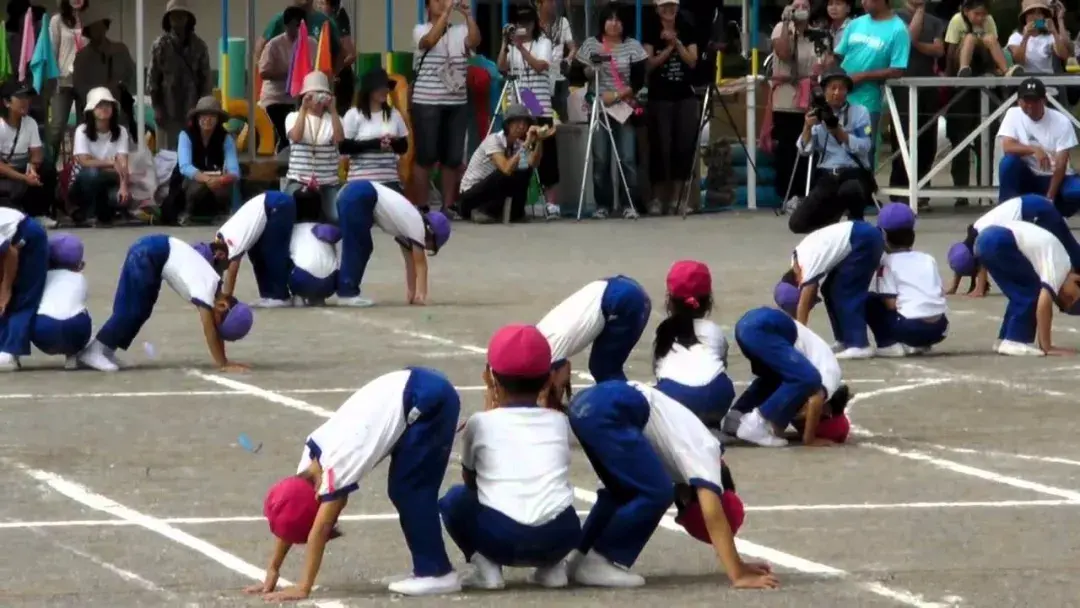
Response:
column 840, row 135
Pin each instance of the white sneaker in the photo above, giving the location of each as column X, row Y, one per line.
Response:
column 554, row 211
column 1019, row 349
column 629, row 213
column 427, row 585
column 595, row 570
column 754, row 429
column 46, row 222
column 573, row 561
column 550, row 577
column 486, row 574
column 854, row 352
column 8, row 362
column 96, row 356
column 917, row 351
column 895, row 351
column 271, row 303
column 355, row 302
column 71, row 363
column 298, row 302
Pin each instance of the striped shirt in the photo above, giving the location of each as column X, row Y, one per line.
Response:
column 625, row 53
column 15, row 144
column 537, row 82
column 560, row 36
column 481, row 165
column 315, row 155
column 376, row 165
column 429, row 88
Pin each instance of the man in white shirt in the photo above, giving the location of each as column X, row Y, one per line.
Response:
column 62, row 325
column 262, row 229
column 1037, row 141
column 517, row 505
column 409, row 415
column 314, row 254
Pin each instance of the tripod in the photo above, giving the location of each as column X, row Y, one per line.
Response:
column 512, row 91
column 598, row 117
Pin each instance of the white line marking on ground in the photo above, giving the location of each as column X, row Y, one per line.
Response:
column 977, row 379
column 478, row 350
column 999, row 454
column 254, row 391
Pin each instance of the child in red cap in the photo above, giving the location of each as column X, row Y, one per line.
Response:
column 690, row 352
column 516, row 507
column 408, row 415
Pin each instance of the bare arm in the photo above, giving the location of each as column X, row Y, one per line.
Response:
column 410, row 273
column 419, row 259
column 506, row 165
column 782, row 46
column 723, row 541
column 1011, row 146
column 654, row 61
column 325, row 520
column 954, row 285
column 296, row 133
column 89, row 162
column 1061, row 164
column 213, row 339
column 537, row 65
column 1044, row 318
column 688, row 53
column 473, row 38
column 437, row 30
column 229, row 281
column 10, row 270
column 503, row 61
column 11, row 173
column 806, row 302
column 277, row 558
column 982, row 282
column 884, row 74
column 814, row 407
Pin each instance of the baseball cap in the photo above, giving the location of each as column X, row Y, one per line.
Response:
column 896, row 216
column 203, row 248
column 692, row 520
column 688, row 280
column 327, row 233
column 519, row 351
column 237, row 322
column 290, row 508
column 65, row 250
column 961, row 260
column 439, row 224
column 663, row 2
column 1031, row 88
column 835, row 429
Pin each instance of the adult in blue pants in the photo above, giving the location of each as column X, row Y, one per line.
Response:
column 24, row 264
column 261, row 229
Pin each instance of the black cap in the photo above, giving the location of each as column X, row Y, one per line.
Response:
column 834, row 73
column 13, row 88
column 1032, row 88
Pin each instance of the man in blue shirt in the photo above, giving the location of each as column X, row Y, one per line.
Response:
column 840, row 136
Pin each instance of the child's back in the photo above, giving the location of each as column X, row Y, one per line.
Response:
column 65, row 295
column 913, row 277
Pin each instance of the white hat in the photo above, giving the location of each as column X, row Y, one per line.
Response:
column 96, row 96
column 663, row 2
column 315, row 82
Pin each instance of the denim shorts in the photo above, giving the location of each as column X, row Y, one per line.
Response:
column 444, row 128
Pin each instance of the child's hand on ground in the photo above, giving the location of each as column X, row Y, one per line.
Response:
column 753, row 576
column 1056, row 351
column 259, row 589
column 820, row 442
column 289, row 594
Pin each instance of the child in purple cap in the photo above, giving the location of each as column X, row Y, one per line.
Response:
column 362, row 205
column 906, row 311
column 150, row 261
column 62, row 325
column 24, row 264
column 314, row 254
column 516, row 507
column 261, row 229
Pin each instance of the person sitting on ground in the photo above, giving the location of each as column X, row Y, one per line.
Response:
column 972, row 46
column 501, row 168
column 1037, row 142
column 375, row 133
column 315, row 132
column 62, row 325
column 206, row 157
column 1040, row 39
column 101, row 161
column 27, row 182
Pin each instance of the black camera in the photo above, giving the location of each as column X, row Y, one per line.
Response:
column 508, row 31
column 820, row 109
column 822, row 39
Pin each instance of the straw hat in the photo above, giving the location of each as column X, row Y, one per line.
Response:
column 173, row 6
column 97, row 96
column 96, row 12
column 1035, row 5
column 208, row 105
column 315, row 82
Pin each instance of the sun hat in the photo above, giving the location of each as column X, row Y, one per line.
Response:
column 96, row 12
column 97, row 96
column 208, row 105
column 516, row 111
column 315, row 82
column 1034, row 5
column 834, row 73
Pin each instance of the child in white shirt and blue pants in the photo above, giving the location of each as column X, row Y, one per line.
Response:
column 62, row 325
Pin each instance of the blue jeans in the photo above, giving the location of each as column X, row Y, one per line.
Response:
column 604, row 191
column 16, row 323
column 95, row 193
column 329, row 198
column 846, row 289
column 137, row 291
column 1016, row 178
column 998, row 252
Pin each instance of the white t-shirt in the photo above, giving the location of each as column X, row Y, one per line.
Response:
column 482, row 163
column 190, row 275
column 822, row 250
column 913, row 278
column 575, row 323
column 560, row 36
column 429, row 88
column 1007, row 211
column 1045, row 252
column 1053, row 133
column 521, row 457
column 821, row 356
column 359, row 435
column 376, row 165
column 315, row 154
column 65, row 295
column 9, row 225
column 1038, row 53
column 690, row 453
column 699, row 364
column 537, row 82
column 15, row 151
column 399, row 218
column 245, row 227
column 317, row 258
column 104, row 148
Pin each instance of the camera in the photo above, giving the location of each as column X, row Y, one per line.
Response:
column 820, row 109
column 508, row 31
column 822, row 39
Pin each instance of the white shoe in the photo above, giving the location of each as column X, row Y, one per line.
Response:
column 71, row 363
column 355, row 302
column 486, row 574
column 595, row 570
column 554, row 212
column 917, row 351
column 427, row 585
column 46, row 222
column 573, row 561
column 895, row 351
column 298, row 302
column 854, row 352
column 629, row 213
column 1019, row 349
column 8, row 362
column 95, row 356
column 271, row 303
column 550, row 577
column 753, row 428
column 837, row 347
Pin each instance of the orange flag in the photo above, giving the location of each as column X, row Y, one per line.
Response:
column 322, row 57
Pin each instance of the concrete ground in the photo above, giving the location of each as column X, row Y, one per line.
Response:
column 962, row 487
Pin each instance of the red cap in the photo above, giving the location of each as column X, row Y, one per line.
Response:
column 688, row 281
column 693, row 521
column 520, row 351
column 835, row 429
column 290, row 509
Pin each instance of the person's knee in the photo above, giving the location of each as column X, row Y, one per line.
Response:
column 452, row 503
column 1011, row 164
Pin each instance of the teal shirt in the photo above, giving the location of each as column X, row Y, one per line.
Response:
column 869, row 45
column 315, row 21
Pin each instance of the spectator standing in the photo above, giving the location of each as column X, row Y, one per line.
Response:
column 527, row 56
column 927, row 34
column 103, row 63
column 1037, row 141
column 179, row 72
column 27, row 183
column 874, row 48
column 674, row 113
column 620, row 62
column 837, row 18
column 375, row 133
column 439, row 99
column 274, row 68
column 65, row 33
column 563, row 49
column 345, row 83
column 795, row 70
column 315, row 132
column 1042, row 39
column 206, row 157
column 101, row 161
column 342, row 48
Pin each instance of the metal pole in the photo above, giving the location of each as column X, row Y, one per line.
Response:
column 505, row 12
column 140, row 73
column 637, row 19
column 751, row 108
column 419, row 11
column 253, row 148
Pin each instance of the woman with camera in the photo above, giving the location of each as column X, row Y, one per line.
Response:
column 315, row 132
column 795, row 66
column 1042, row 40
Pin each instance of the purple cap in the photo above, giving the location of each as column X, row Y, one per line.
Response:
column 205, row 251
column 962, row 260
column 896, row 216
column 786, row 297
column 440, row 227
column 237, row 322
column 327, row 233
column 65, row 250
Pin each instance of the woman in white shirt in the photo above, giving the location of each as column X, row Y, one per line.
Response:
column 65, row 33
column 101, row 157
column 375, row 133
column 314, row 132
column 1042, row 38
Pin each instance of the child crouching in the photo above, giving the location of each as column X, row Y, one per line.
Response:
column 62, row 325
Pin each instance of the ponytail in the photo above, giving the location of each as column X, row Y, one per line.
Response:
column 678, row 327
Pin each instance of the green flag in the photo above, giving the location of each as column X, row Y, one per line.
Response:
column 5, row 56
